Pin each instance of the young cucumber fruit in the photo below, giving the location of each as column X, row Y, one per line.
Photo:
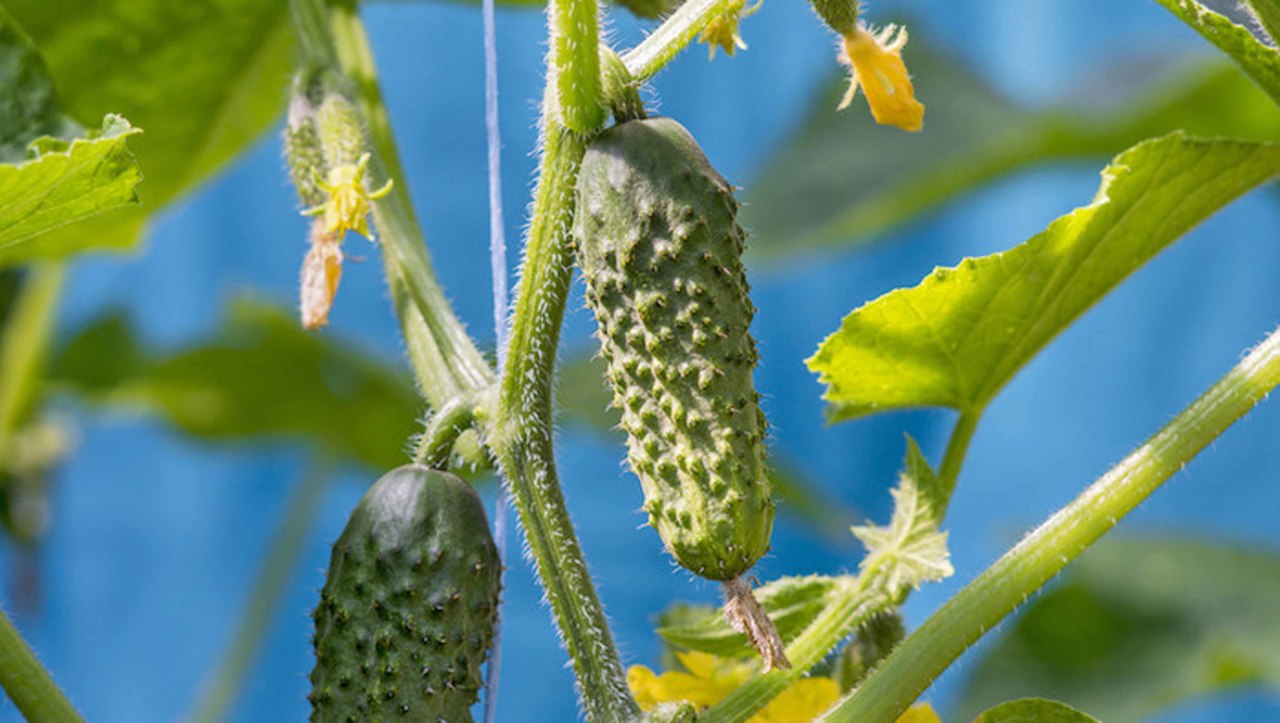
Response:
column 660, row 249
column 407, row 613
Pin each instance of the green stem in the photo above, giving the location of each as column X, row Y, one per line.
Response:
column 26, row 681
column 855, row 602
column 24, row 344
column 443, row 430
column 268, row 591
column 957, row 448
column 839, row 15
column 521, row 435
column 904, row 675
column 445, row 360
column 673, row 35
column 575, row 63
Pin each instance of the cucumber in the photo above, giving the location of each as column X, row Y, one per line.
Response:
column 660, row 249
column 407, row 613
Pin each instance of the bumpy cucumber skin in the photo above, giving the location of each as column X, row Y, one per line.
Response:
column 407, row 613
column 661, row 252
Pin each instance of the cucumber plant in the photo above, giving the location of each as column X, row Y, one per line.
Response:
column 409, row 609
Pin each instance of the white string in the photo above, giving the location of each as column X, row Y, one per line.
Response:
column 498, row 272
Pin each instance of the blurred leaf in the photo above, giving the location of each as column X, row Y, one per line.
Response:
column 1033, row 710
column 29, row 104
column 64, row 182
column 1260, row 61
column 1138, row 626
column 791, row 602
column 203, row 78
column 583, row 397
column 842, row 179
column 959, row 336
column 262, row 375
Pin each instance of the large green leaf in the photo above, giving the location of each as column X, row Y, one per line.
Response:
column 842, row 179
column 50, row 177
column 64, row 182
column 959, row 336
column 1259, row 60
column 261, row 376
column 203, row 78
column 1138, row 626
column 1033, row 710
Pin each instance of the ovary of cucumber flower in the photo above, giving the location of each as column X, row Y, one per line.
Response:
column 349, row 197
column 722, row 31
column 875, row 60
column 710, row 679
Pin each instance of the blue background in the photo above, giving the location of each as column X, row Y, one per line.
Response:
column 157, row 537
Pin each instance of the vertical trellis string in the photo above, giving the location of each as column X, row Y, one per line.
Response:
column 498, row 272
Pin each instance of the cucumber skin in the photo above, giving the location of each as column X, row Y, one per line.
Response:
column 660, row 249
column 406, row 616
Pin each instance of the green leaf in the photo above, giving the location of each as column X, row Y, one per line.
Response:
column 911, row 550
column 203, row 78
column 1260, row 61
column 959, row 336
column 29, row 104
column 65, row 182
column 791, row 602
column 842, row 179
column 1173, row 619
column 1033, row 710
column 260, row 376
column 1267, row 13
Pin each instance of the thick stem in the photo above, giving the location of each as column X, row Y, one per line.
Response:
column 668, row 39
column 273, row 579
column 521, row 435
column 903, row 676
column 854, row 602
column 24, row 344
column 445, row 360
column 575, row 63
column 26, row 681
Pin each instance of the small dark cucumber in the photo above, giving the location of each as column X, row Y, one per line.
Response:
column 407, row 613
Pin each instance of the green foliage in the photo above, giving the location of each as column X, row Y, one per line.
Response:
column 260, row 376
column 203, row 78
column 841, row 180
column 791, row 602
column 1268, row 14
column 63, row 182
column 1033, row 710
column 29, row 105
column 1259, row 60
column 1140, row 625
column 959, row 336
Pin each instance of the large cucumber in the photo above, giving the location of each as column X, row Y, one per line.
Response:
column 660, row 249
column 407, row 613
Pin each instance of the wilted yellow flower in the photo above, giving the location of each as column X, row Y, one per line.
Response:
column 876, row 65
column 710, row 679
column 722, row 31
column 348, row 204
column 321, row 272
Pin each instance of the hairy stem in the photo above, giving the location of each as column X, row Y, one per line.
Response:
column 521, row 435
column 445, row 360
column 24, row 343
column 273, row 578
column 668, row 39
column 575, row 63
column 443, row 430
column 898, row 681
column 26, row 681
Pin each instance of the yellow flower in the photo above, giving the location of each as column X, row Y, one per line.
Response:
column 920, row 713
column 722, row 31
column 349, row 197
column 876, row 65
column 710, row 679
